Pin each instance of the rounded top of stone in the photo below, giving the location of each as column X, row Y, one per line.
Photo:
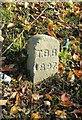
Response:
column 41, row 37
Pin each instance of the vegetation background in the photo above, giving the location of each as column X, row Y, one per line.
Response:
column 63, row 91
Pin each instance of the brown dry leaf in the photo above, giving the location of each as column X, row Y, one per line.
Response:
column 6, row 68
column 20, row 17
column 67, row 104
column 60, row 69
column 14, row 109
column 50, row 27
column 53, row 3
column 77, row 111
column 24, row 89
column 35, row 116
column 76, row 57
column 51, row 33
column 61, row 5
column 78, row 73
column 27, row 25
column 19, row 77
column 26, row 4
column 77, row 12
column 75, row 8
column 70, row 74
column 17, row 98
column 61, row 113
column 10, row 25
column 49, row 97
column 65, row 12
column 55, row 27
column 3, row 102
column 13, row 95
column 50, row 22
column 35, row 96
column 80, row 27
column 65, row 97
column 80, row 64
column 62, row 24
column 21, row 4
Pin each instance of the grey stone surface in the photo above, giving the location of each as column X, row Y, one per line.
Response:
column 43, row 58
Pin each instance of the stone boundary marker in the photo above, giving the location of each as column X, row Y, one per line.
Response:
column 43, row 58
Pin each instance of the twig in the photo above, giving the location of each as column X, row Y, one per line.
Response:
column 12, row 43
column 22, row 32
column 38, row 16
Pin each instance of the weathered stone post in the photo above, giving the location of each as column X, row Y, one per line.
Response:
column 43, row 58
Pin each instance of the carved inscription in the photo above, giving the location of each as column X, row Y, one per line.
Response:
column 44, row 66
column 46, row 53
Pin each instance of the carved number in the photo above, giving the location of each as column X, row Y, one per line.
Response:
column 43, row 66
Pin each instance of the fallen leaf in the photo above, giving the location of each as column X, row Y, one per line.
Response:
column 19, row 77
column 20, row 17
column 24, row 89
column 53, row 3
column 55, row 27
column 27, row 27
column 21, row 4
column 3, row 102
column 63, row 25
column 65, row 12
column 48, row 97
column 1, row 38
column 61, row 5
column 80, row 64
column 67, row 104
column 35, row 116
column 13, row 95
column 75, row 8
column 26, row 4
column 14, row 109
column 47, row 103
column 77, row 12
column 72, row 78
column 50, row 22
column 6, row 69
column 10, row 25
column 77, row 111
column 51, row 33
column 76, row 57
column 17, row 98
column 35, row 96
column 70, row 74
column 78, row 73
column 65, row 97
column 60, row 68
column 61, row 113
